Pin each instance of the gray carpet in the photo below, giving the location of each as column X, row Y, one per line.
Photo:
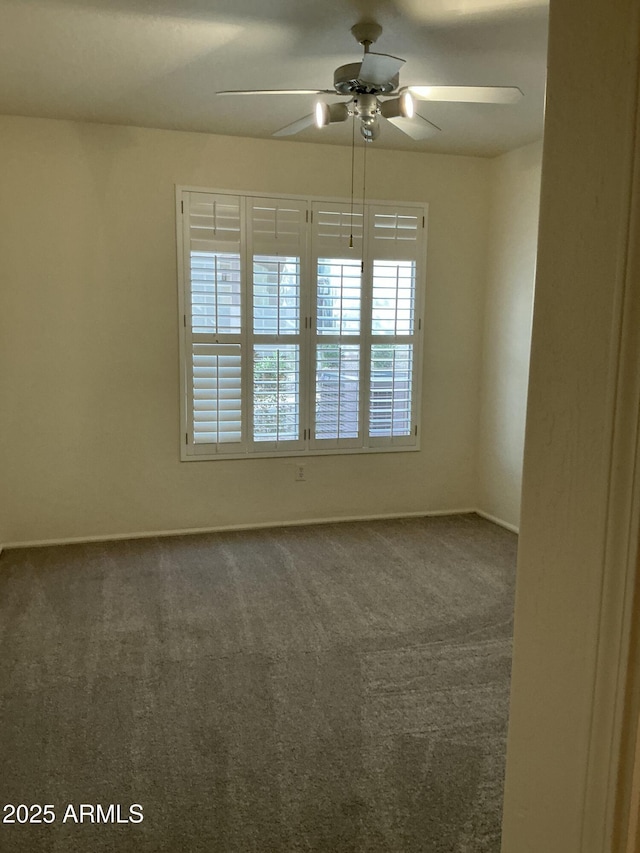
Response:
column 329, row 689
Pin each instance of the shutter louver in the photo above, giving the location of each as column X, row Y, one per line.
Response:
column 214, row 244
column 277, row 226
column 276, row 393
column 393, row 300
column 217, row 394
column 337, row 391
column 215, row 292
column 214, row 222
column 390, row 401
column 278, row 240
column 338, row 296
column 276, row 295
column 394, row 233
column 338, row 230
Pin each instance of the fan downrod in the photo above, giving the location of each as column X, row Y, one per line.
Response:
column 366, row 33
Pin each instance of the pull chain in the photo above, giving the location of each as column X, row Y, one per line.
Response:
column 353, row 155
column 364, row 173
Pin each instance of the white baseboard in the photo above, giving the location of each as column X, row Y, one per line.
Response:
column 76, row 540
column 506, row 524
column 188, row 531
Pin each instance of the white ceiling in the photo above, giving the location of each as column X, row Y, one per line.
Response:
column 158, row 63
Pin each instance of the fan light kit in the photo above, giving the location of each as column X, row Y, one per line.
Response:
column 374, row 92
column 330, row 113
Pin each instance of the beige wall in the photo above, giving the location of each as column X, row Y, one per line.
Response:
column 89, row 334
column 581, row 482
column 515, row 197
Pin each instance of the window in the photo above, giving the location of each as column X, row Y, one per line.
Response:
column 301, row 326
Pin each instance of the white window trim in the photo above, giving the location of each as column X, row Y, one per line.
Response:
column 191, row 452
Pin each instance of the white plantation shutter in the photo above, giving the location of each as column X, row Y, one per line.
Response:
column 214, row 222
column 338, row 296
column 390, row 400
column 394, row 232
column 217, row 394
column 276, row 295
column 213, row 323
column 215, row 292
column 393, row 301
column 277, row 247
column 395, row 240
column 214, row 245
column 336, row 327
column 277, row 242
column 338, row 229
column 277, row 226
column 276, row 394
column 302, row 327
column 337, row 410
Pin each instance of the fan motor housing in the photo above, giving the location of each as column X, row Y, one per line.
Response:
column 345, row 81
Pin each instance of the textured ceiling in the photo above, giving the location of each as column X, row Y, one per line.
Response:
column 158, row 63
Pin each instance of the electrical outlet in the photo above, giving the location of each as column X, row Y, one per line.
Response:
column 300, row 474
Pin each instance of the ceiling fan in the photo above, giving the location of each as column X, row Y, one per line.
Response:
column 374, row 92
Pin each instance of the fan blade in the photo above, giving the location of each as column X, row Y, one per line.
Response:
column 468, row 94
column 379, row 68
column 277, row 92
column 416, row 127
column 296, row 126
